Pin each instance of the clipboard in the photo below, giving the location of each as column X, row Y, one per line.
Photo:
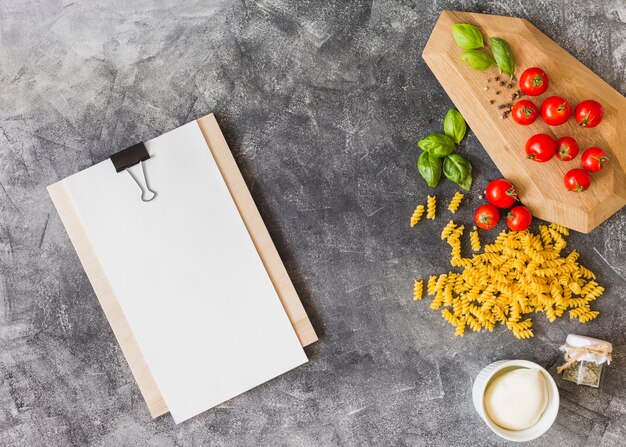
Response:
column 258, row 233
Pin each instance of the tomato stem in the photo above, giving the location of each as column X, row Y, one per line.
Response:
column 601, row 160
column 512, row 193
column 586, row 120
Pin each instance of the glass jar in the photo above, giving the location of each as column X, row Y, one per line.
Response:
column 584, row 360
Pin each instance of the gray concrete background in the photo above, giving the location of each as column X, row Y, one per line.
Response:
column 322, row 104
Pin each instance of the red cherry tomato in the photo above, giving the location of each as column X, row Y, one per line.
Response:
column 567, row 148
column 577, row 180
column 519, row 218
column 501, row 193
column 589, row 113
column 594, row 159
column 534, row 81
column 555, row 111
column 540, row 147
column 524, row 112
column 486, row 216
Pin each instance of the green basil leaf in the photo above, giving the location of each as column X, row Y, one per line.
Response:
column 437, row 144
column 477, row 59
column 459, row 170
column 430, row 168
column 466, row 183
column 503, row 55
column 455, row 167
column 467, row 36
column 454, row 125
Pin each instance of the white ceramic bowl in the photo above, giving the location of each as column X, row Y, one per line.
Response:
column 545, row 421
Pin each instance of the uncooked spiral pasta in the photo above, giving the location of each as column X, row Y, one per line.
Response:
column 560, row 228
column 521, row 273
column 418, row 290
column 455, row 247
column 417, row 215
column 447, row 230
column 455, row 202
column 457, row 232
column 545, row 235
column 431, row 207
column 432, row 281
column 588, row 316
column 475, row 240
column 449, row 317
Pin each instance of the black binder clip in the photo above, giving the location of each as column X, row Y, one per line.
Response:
column 131, row 156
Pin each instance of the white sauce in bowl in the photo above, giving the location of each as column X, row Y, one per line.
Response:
column 516, row 399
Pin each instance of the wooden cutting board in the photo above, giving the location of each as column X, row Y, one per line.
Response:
column 540, row 185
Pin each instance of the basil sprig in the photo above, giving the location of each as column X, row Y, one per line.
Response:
column 454, row 125
column 471, row 40
column 438, row 154
column 503, row 55
column 467, row 36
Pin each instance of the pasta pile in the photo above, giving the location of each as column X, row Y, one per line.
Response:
column 455, row 202
column 417, row 215
column 431, row 204
column 519, row 274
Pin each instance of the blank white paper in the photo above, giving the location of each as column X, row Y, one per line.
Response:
column 186, row 274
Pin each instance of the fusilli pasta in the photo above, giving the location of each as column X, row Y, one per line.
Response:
column 418, row 290
column 431, row 207
column 455, row 202
column 519, row 274
column 447, row 230
column 475, row 240
column 417, row 215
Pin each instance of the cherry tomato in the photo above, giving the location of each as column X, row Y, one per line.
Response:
column 540, row 147
column 594, row 159
column 577, row 180
column 486, row 216
column 534, row 81
column 501, row 193
column 524, row 112
column 555, row 111
column 519, row 218
column 567, row 148
column 589, row 113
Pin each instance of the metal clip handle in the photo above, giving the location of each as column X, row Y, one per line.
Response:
column 147, row 194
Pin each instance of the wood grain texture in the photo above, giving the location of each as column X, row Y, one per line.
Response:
column 540, row 185
column 258, row 232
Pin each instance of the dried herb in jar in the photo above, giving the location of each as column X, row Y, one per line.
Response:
column 584, row 360
column 584, row 373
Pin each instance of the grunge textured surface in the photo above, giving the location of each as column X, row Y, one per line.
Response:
column 322, row 104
